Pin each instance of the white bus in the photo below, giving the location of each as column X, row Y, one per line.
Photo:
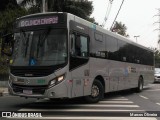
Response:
column 59, row 55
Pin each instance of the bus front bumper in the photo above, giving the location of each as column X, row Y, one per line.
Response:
column 58, row 91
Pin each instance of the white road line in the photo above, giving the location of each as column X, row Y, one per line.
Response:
column 153, row 90
column 93, row 118
column 96, row 105
column 158, row 103
column 143, row 97
column 79, row 110
column 99, row 105
column 115, row 101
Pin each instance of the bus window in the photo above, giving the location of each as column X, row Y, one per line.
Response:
column 79, row 50
column 84, row 47
column 79, row 45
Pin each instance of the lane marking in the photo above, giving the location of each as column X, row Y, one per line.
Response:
column 80, row 110
column 95, row 105
column 93, row 118
column 153, row 90
column 158, row 103
column 143, row 97
column 115, row 101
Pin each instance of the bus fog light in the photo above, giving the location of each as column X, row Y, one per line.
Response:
column 53, row 82
column 52, row 94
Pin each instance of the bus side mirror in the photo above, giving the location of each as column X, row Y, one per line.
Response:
column 7, row 45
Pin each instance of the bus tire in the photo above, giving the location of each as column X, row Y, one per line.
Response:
column 140, row 84
column 97, row 92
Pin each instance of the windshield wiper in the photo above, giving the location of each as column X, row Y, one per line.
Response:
column 25, row 41
column 41, row 40
column 45, row 36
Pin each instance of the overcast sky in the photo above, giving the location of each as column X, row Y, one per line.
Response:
column 137, row 15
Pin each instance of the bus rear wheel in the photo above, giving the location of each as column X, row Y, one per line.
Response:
column 140, row 85
column 97, row 92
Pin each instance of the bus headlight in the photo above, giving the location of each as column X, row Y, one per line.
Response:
column 56, row 80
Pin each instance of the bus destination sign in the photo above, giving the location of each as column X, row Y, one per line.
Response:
column 38, row 21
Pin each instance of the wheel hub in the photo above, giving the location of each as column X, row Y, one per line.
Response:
column 95, row 91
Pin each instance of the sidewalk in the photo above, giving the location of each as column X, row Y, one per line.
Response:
column 3, row 91
column 3, row 87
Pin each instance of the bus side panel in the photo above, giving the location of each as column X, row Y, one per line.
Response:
column 117, row 75
column 148, row 74
column 137, row 70
column 133, row 75
column 99, row 67
column 98, row 63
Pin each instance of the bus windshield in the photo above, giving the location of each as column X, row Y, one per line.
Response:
column 40, row 48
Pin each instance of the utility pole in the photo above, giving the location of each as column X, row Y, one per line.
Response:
column 44, row 6
column 158, row 43
column 107, row 12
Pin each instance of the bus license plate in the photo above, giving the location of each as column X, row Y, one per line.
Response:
column 29, row 92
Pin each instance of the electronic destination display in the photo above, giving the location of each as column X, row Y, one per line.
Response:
column 39, row 20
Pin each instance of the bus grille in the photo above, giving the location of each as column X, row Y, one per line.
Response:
column 35, row 89
column 31, row 71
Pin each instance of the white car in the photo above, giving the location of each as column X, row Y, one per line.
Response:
column 157, row 75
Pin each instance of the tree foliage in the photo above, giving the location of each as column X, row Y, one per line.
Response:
column 8, row 17
column 157, row 58
column 9, row 11
column 82, row 9
column 8, row 4
column 120, row 28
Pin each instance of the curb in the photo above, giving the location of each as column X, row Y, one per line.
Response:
column 4, row 92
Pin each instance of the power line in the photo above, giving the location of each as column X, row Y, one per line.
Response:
column 158, row 28
column 117, row 14
column 107, row 12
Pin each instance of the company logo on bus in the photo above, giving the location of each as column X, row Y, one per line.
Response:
column 38, row 21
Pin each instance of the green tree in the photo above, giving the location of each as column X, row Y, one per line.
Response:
column 120, row 28
column 8, row 4
column 8, row 17
column 157, row 58
column 9, row 11
column 82, row 9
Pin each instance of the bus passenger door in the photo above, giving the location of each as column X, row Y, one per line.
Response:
column 79, row 67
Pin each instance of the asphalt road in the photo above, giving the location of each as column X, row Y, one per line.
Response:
column 121, row 105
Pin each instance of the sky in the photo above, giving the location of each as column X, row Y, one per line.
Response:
column 138, row 16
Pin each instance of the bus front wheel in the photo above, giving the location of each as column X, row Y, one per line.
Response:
column 97, row 92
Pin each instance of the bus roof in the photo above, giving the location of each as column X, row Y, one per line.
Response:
column 90, row 25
